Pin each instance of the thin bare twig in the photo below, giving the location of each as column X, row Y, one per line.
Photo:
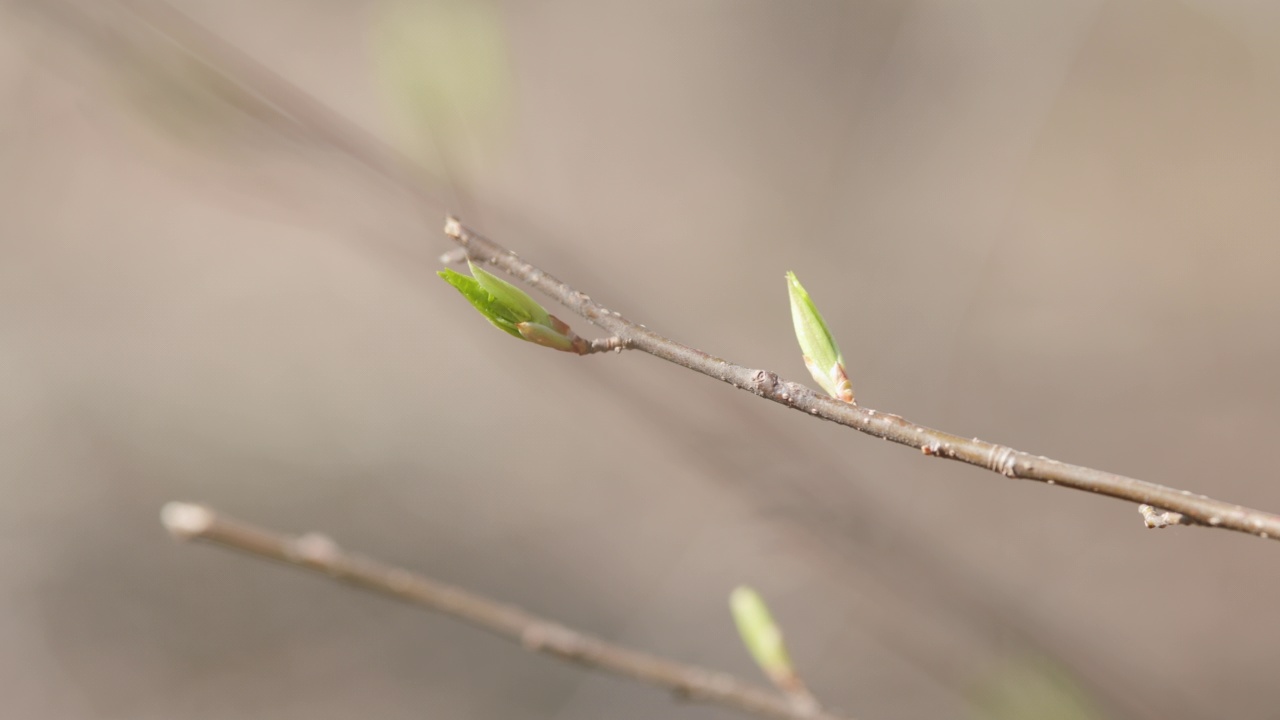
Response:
column 1194, row 509
column 294, row 103
column 321, row 554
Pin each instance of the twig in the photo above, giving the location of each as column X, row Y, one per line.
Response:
column 1196, row 509
column 317, row 552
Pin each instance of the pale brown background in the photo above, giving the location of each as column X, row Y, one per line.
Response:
column 1051, row 225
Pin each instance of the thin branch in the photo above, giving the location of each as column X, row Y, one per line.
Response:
column 1194, row 509
column 252, row 76
column 536, row 634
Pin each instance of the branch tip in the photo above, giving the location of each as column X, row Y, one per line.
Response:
column 453, row 228
column 186, row 521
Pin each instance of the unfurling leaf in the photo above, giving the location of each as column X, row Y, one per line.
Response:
column 762, row 636
column 511, row 310
column 511, row 296
column 821, row 354
column 501, row 316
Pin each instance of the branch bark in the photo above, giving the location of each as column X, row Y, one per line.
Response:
column 1193, row 508
column 320, row 554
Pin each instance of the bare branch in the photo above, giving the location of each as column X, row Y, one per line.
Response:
column 321, row 554
column 1197, row 509
column 253, row 77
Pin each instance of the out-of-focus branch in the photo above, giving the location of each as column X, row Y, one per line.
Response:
column 317, row 552
column 1193, row 508
column 237, row 67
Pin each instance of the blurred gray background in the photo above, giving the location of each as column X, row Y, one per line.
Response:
column 1050, row 225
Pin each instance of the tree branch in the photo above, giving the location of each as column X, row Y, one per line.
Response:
column 321, row 554
column 1194, row 509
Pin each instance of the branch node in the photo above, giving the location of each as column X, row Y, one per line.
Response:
column 1155, row 518
column 186, row 521
column 1003, row 459
column 543, row 635
column 453, row 228
column 766, row 382
column 614, row 343
column 315, row 549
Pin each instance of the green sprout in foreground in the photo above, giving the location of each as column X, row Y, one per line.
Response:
column 821, row 355
column 511, row 310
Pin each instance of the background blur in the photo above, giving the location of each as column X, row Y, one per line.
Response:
column 1049, row 225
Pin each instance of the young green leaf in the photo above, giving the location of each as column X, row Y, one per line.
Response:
column 510, row 296
column 513, row 311
column 480, row 298
column 762, row 636
column 821, row 354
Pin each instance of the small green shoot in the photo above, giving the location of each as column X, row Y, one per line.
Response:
column 821, row 354
column 763, row 637
column 511, row 310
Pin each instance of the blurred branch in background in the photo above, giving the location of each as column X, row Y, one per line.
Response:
column 443, row 68
column 320, row 554
column 136, row 31
column 933, row 443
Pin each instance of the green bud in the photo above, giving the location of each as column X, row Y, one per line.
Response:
column 762, row 636
column 501, row 316
column 512, row 310
column 553, row 338
column 518, row 301
column 821, row 354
